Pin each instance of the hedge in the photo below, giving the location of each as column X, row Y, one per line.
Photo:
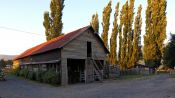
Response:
column 31, row 75
column 24, row 73
column 50, row 76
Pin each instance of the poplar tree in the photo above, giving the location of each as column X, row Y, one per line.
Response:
column 155, row 32
column 113, row 40
column 137, row 32
column 161, row 25
column 53, row 20
column 120, row 35
column 95, row 23
column 46, row 24
column 129, row 36
column 106, row 23
column 130, row 15
column 124, row 34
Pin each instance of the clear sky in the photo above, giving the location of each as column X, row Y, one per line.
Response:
column 27, row 15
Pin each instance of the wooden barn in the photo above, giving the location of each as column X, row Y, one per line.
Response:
column 79, row 56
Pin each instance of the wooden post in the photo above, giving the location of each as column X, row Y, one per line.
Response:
column 56, row 65
column 64, row 72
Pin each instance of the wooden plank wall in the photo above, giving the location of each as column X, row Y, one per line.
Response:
column 77, row 48
column 47, row 56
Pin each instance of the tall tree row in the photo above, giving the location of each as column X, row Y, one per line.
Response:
column 53, row 20
column 95, row 23
column 128, row 36
column 106, row 23
column 113, row 40
column 137, row 32
column 155, row 32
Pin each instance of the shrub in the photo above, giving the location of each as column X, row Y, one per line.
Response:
column 31, row 75
column 39, row 75
column 15, row 71
column 51, row 77
column 24, row 72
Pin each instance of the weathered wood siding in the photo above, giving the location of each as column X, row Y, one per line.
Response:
column 77, row 48
column 47, row 56
column 89, row 72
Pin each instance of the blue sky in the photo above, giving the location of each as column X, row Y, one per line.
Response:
column 27, row 15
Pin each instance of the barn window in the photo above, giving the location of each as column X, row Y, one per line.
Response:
column 89, row 49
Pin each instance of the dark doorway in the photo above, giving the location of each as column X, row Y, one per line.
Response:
column 76, row 69
column 89, row 49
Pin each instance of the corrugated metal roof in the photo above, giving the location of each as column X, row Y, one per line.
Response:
column 55, row 43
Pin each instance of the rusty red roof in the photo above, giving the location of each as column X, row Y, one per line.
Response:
column 55, row 43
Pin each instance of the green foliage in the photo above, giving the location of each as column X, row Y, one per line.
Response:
column 95, row 23
column 9, row 62
column 51, row 77
column 113, row 40
column 53, row 21
column 106, row 22
column 46, row 24
column 24, row 72
column 40, row 75
column 169, row 54
column 15, row 71
column 2, row 63
column 31, row 75
column 1, row 74
column 155, row 32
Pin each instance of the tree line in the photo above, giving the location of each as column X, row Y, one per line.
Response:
column 125, row 47
column 3, row 63
column 127, row 32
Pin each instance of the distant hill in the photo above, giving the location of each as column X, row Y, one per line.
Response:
column 7, row 57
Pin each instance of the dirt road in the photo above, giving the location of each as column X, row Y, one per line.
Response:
column 159, row 86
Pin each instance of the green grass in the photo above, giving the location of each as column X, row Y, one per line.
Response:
column 131, row 77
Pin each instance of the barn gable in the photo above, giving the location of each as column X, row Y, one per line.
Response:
column 79, row 45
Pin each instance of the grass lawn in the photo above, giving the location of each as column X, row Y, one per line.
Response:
column 130, row 77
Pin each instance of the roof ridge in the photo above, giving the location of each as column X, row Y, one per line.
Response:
column 52, row 44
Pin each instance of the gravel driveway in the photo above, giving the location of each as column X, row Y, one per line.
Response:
column 160, row 86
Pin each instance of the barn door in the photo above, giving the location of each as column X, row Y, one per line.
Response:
column 89, row 49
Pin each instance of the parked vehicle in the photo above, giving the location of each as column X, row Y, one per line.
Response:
column 2, row 76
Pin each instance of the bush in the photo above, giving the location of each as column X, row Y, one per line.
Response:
column 39, row 75
column 51, row 77
column 31, row 75
column 24, row 72
column 15, row 71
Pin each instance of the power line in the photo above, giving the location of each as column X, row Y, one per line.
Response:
column 13, row 29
